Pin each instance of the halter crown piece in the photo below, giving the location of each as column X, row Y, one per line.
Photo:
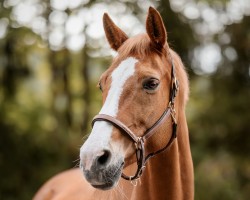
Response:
column 139, row 141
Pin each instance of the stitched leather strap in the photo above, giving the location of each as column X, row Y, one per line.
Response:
column 119, row 124
column 115, row 122
column 158, row 123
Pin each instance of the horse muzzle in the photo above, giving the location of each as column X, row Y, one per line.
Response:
column 101, row 171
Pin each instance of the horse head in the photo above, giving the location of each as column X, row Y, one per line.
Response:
column 136, row 90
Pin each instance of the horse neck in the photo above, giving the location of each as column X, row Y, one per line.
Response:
column 169, row 175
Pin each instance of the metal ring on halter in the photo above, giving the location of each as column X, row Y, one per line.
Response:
column 141, row 170
column 135, row 181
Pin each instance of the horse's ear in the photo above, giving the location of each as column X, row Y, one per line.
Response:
column 155, row 28
column 116, row 37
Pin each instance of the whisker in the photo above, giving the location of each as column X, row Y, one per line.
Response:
column 84, row 138
column 118, row 189
column 78, row 159
column 121, row 191
column 77, row 165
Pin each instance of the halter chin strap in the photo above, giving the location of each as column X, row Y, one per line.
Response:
column 139, row 141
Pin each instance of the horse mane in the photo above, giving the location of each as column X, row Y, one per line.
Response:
column 140, row 46
column 182, row 77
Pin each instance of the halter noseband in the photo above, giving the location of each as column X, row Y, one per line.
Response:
column 139, row 141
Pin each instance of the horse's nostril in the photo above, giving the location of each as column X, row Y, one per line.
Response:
column 104, row 158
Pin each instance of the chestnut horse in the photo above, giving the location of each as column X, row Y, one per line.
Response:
column 144, row 92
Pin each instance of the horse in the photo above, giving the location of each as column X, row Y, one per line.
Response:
column 139, row 144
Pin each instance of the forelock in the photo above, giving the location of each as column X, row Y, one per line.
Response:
column 138, row 46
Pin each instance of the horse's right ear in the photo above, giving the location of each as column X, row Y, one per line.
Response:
column 155, row 28
column 116, row 37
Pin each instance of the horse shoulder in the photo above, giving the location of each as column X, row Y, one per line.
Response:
column 69, row 184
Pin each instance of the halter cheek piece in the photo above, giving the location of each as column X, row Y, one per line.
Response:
column 139, row 141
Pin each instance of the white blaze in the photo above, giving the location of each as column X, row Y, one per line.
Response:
column 101, row 132
column 119, row 76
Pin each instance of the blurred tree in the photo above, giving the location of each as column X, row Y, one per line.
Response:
column 223, row 123
column 181, row 43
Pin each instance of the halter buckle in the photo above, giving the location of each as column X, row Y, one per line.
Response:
column 172, row 111
column 138, row 143
column 141, row 170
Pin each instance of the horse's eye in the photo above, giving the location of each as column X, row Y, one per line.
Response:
column 151, row 84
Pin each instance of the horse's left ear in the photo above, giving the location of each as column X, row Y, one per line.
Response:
column 116, row 37
column 155, row 28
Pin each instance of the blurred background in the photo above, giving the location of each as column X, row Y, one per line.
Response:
column 52, row 53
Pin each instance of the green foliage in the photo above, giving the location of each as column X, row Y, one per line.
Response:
column 219, row 116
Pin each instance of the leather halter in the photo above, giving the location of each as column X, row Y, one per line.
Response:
column 139, row 141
